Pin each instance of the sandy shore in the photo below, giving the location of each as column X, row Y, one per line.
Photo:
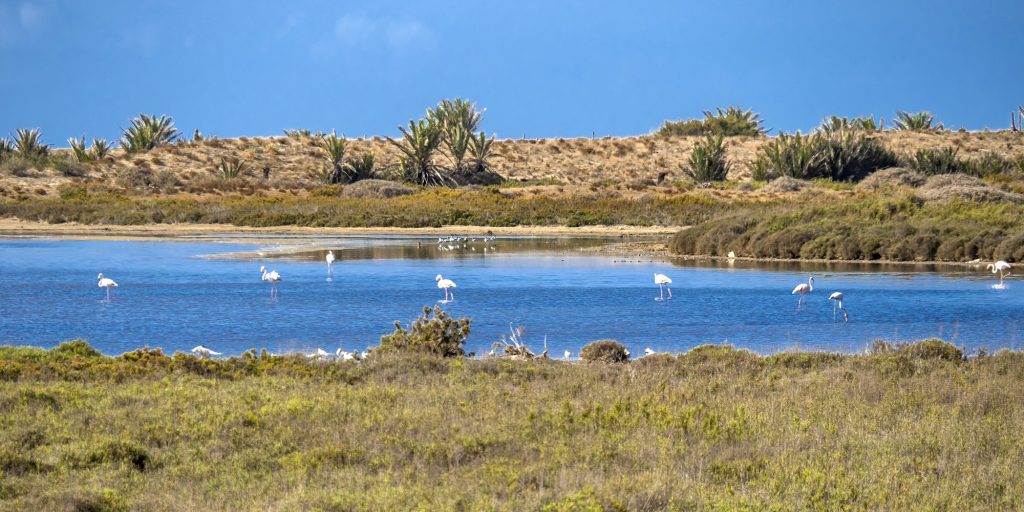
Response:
column 17, row 227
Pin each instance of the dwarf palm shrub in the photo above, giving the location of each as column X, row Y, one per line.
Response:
column 707, row 161
column 78, row 149
column 231, row 168
column 362, row 168
column 834, row 124
column 480, row 149
column 936, row 161
column 148, row 132
column 6, row 148
column 100, row 148
column 434, row 332
column 418, row 145
column 729, row 122
column 458, row 119
column 849, row 156
column 333, row 149
column 791, row 155
column 28, row 144
column 916, row 122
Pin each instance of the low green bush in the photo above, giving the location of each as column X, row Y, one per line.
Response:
column 434, row 332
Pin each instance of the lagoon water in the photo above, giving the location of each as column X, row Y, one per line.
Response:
column 176, row 294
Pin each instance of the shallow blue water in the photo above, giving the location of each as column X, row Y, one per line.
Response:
column 172, row 298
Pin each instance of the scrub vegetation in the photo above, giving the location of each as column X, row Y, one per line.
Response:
column 900, row 427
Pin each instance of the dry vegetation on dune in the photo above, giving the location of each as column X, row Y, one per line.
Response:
column 901, row 428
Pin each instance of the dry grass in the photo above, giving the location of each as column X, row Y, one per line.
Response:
column 914, row 428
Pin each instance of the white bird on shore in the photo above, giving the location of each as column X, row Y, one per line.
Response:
column 567, row 354
column 202, row 351
column 649, row 351
column 108, row 284
column 330, row 262
column 663, row 281
column 344, row 356
column 271, row 277
column 837, row 297
column 1001, row 267
column 803, row 289
column 320, row 354
column 446, row 285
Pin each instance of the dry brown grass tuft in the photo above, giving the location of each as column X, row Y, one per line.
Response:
column 948, row 187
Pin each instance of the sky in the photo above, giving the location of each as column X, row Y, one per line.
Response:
column 540, row 68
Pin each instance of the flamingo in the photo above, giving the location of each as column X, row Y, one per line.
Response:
column 663, row 281
column 344, row 356
column 1001, row 267
column 649, row 351
column 446, row 285
column 330, row 262
column 106, row 282
column 202, row 351
column 802, row 289
column 838, row 298
column 567, row 354
column 271, row 277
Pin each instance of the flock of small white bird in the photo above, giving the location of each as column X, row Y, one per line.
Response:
column 999, row 267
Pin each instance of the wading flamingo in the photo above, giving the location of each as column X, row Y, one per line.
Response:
column 803, row 289
column 567, row 354
column 106, row 282
column 271, row 277
column 330, row 262
column 663, row 281
column 446, row 285
column 837, row 297
column 202, row 351
column 1001, row 267
column 649, row 351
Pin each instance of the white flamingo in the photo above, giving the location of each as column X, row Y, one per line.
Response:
column 446, row 285
column 271, row 277
column 837, row 297
column 649, row 351
column 344, row 356
column 567, row 354
column 1001, row 267
column 106, row 282
column 202, row 351
column 663, row 282
column 803, row 289
column 330, row 262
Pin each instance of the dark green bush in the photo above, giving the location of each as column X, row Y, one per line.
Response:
column 434, row 332
column 916, row 122
column 936, row 161
column 79, row 348
column 850, row 156
column 604, row 351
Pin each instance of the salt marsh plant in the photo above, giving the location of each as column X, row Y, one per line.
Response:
column 916, row 122
column 148, row 132
column 936, row 161
column 729, row 122
column 419, row 144
column 708, row 160
column 604, row 351
column 28, row 144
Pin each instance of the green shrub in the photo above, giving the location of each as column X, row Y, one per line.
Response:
column 333, row 149
column 604, row 351
column 148, row 132
column 79, row 348
column 933, row 349
column 100, row 149
column 434, row 332
column 6, row 149
column 834, row 124
column 916, row 122
column 729, row 122
column 118, row 452
column 68, row 167
column 79, row 150
column 362, row 168
column 708, row 161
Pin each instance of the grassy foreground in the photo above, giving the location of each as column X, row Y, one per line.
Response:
column 906, row 428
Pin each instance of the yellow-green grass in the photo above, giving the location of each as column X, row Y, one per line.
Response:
column 912, row 428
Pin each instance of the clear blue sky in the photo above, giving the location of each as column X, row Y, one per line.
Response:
column 541, row 67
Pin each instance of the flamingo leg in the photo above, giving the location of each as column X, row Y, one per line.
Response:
column 834, row 306
column 669, row 292
column 108, row 294
column 661, row 288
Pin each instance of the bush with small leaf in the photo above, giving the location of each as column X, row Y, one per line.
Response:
column 434, row 332
column 604, row 351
